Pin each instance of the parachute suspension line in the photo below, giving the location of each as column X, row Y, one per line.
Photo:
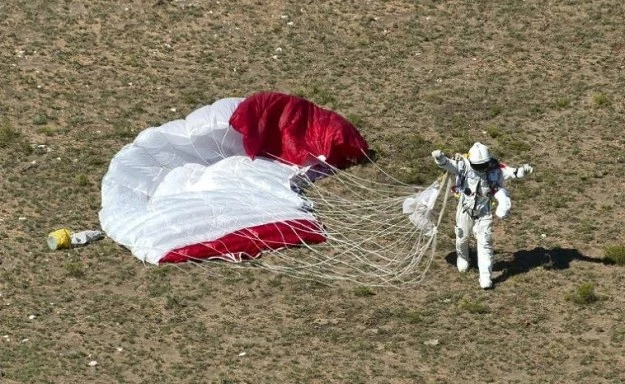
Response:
column 369, row 240
column 325, row 169
column 446, row 184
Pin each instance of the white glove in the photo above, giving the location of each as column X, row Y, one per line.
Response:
column 438, row 155
column 523, row 170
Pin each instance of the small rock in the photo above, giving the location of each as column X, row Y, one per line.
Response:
column 431, row 342
column 543, row 235
column 92, row 363
column 41, row 148
column 29, row 166
column 31, row 317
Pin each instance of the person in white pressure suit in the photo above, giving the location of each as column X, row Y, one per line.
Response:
column 479, row 183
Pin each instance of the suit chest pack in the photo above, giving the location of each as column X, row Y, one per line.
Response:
column 475, row 191
column 468, row 181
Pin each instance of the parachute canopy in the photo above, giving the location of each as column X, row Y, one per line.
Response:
column 296, row 131
column 219, row 183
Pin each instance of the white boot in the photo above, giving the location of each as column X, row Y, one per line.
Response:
column 485, row 282
column 462, row 264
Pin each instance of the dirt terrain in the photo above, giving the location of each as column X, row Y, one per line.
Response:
column 539, row 82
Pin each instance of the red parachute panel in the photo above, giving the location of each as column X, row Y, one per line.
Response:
column 296, row 131
column 249, row 243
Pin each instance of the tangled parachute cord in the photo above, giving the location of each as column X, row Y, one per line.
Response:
column 371, row 240
column 380, row 232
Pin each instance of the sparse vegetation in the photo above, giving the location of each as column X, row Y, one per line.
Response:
column 538, row 82
column 474, row 306
column 562, row 103
column 363, row 291
column 319, row 95
column 81, row 180
column 40, row 119
column 74, row 269
column 493, row 131
column 615, row 253
column 8, row 134
column 600, row 100
column 583, row 294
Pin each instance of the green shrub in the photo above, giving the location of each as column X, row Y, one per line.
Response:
column 81, row 180
column 562, row 103
column 494, row 132
column 40, row 119
column 517, row 146
column 74, row 269
column 615, row 254
column 319, row 95
column 583, row 294
column 8, row 134
column 474, row 306
column 495, row 110
column 363, row 291
column 600, row 100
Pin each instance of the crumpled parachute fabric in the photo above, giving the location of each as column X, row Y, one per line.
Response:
column 217, row 184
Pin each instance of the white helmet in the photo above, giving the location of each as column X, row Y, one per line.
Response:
column 479, row 156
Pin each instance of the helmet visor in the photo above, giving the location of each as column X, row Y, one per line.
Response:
column 480, row 167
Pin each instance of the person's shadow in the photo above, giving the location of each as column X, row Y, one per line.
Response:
column 525, row 260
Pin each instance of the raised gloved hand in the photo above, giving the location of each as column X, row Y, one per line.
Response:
column 438, row 155
column 523, row 170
